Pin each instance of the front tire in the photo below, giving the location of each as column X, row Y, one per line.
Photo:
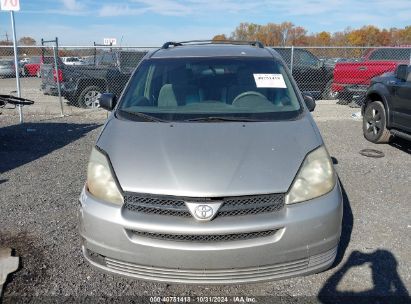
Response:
column 88, row 98
column 375, row 123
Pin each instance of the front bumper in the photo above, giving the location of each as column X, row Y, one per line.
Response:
column 357, row 89
column 51, row 89
column 305, row 242
column 347, row 91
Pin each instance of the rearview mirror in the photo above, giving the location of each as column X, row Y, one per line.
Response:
column 309, row 101
column 107, row 101
column 402, row 72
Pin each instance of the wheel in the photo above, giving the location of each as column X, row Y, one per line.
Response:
column 374, row 124
column 88, row 98
column 328, row 94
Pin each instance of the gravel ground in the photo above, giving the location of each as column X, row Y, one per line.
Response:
column 43, row 169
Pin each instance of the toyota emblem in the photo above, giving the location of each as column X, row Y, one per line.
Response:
column 204, row 212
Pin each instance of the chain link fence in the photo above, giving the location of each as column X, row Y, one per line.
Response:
column 328, row 73
column 83, row 73
column 341, row 73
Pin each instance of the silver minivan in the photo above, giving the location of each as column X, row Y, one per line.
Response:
column 210, row 169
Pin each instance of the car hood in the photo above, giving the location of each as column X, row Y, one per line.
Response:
column 208, row 159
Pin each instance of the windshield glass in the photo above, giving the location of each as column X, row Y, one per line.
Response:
column 400, row 54
column 197, row 88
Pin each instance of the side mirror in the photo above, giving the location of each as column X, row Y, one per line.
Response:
column 107, row 101
column 402, row 72
column 309, row 101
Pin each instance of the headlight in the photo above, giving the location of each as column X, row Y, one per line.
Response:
column 100, row 180
column 316, row 177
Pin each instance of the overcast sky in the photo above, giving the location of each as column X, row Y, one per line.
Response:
column 151, row 22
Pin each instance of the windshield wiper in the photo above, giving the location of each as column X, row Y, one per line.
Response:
column 223, row 118
column 144, row 116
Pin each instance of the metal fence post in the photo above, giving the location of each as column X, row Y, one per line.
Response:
column 56, row 68
column 16, row 63
column 292, row 59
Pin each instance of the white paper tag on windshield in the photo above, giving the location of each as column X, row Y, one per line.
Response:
column 269, row 81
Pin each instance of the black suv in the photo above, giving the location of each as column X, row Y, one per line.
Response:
column 387, row 108
column 310, row 73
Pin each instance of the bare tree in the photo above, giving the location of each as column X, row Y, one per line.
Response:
column 26, row 41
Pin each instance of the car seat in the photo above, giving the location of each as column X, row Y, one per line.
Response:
column 179, row 89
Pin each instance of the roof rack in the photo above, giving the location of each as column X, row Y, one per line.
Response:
column 170, row 43
column 203, row 42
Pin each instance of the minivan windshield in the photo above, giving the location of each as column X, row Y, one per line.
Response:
column 214, row 89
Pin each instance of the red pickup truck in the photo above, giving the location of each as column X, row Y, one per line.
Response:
column 353, row 78
column 32, row 68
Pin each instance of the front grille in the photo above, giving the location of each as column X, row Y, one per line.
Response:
column 204, row 274
column 208, row 276
column 205, row 238
column 175, row 206
column 159, row 205
column 256, row 204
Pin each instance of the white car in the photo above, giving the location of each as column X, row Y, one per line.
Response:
column 72, row 61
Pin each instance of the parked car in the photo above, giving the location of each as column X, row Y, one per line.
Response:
column 82, row 85
column 33, row 67
column 7, row 68
column 210, row 169
column 310, row 73
column 72, row 61
column 353, row 78
column 387, row 108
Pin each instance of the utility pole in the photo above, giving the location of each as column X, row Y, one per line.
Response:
column 13, row 6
